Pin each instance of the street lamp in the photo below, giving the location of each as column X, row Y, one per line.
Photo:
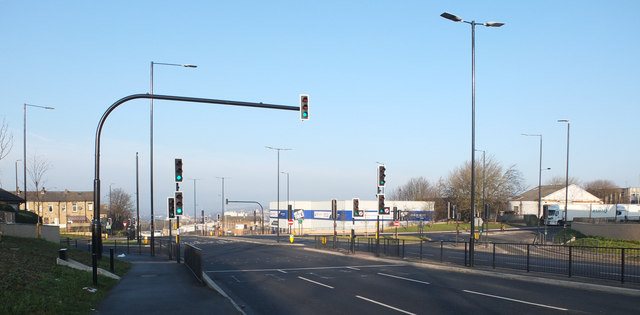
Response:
column 224, row 228
column 566, row 200
column 278, row 190
column 539, row 183
column 152, row 248
column 24, row 154
column 17, row 187
column 473, row 24
column 287, row 196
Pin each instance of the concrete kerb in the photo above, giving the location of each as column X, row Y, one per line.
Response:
column 211, row 284
column 76, row 265
column 563, row 283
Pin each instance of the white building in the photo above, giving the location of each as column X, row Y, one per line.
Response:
column 527, row 203
column 315, row 216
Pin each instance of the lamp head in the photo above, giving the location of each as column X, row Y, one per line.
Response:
column 451, row 17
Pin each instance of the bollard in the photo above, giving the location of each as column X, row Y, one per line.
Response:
column 62, row 253
column 111, row 260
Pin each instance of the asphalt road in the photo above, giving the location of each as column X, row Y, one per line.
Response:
column 268, row 279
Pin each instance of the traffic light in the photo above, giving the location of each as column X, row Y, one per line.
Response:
column 304, row 107
column 356, row 208
column 381, row 176
column 381, row 204
column 178, row 172
column 171, row 207
column 179, row 206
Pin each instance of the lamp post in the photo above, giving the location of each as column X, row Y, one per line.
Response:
column 473, row 24
column 152, row 248
column 539, row 185
column 194, row 203
column 17, row 187
column 24, row 154
column 287, row 197
column 278, row 191
column 566, row 200
column 224, row 228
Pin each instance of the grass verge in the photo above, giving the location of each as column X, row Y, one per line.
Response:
column 32, row 282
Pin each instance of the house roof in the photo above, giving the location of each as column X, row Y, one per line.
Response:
column 9, row 197
column 62, row 196
column 532, row 195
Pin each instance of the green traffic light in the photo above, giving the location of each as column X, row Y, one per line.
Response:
column 178, row 177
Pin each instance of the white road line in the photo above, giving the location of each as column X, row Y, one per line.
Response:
column 298, row 269
column 385, row 305
column 234, row 278
column 403, row 278
column 353, row 268
column 315, row 282
column 282, row 271
column 514, row 300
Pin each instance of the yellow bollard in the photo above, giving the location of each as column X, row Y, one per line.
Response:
column 291, row 238
column 146, row 241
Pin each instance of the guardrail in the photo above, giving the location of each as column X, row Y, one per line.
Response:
column 617, row 264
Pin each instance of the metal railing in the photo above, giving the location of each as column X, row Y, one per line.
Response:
column 617, row 264
column 193, row 260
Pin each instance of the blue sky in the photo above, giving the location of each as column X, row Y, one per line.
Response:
column 389, row 81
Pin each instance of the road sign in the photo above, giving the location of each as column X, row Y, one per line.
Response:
column 396, row 223
column 290, row 221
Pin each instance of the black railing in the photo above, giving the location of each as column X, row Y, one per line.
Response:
column 193, row 260
column 618, row 264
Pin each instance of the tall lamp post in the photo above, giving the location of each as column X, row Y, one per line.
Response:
column 566, row 196
column 278, row 190
column 473, row 24
column 484, row 203
column 224, row 221
column 287, row 197
column 17, row 187
column 152, row 248
column 24, row 154
column 539, row 185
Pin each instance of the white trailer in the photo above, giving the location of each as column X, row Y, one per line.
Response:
column 555, row 212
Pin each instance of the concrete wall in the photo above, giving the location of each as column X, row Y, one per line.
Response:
column 624, row 231
column 50, row 233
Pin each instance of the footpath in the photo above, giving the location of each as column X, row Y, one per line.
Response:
column 155, row 285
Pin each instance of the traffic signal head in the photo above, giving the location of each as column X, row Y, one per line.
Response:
column 178, row 172
column 304, row 107
column 179, row 207
column 381, row 204
column 356, row 208
column 171, row 206
column 381, row 176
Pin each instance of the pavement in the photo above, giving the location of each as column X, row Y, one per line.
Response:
column 156, row 285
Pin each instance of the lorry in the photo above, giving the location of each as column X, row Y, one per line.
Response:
column 617, row 212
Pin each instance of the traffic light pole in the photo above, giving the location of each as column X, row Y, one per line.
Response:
column 96, row 227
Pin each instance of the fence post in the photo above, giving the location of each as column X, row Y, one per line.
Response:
column 494, row 255
column 420, row 249
column 528, row 257
column 441, row 250
column 403, row 248
column 570, row 258
column 622, row 268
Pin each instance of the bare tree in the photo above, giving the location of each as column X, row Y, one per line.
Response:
column 500, row 186
column 417, row 189
column 6, row 140
column 562, row 180
column 605, row 190
column 38, row 168
column 121, row 208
